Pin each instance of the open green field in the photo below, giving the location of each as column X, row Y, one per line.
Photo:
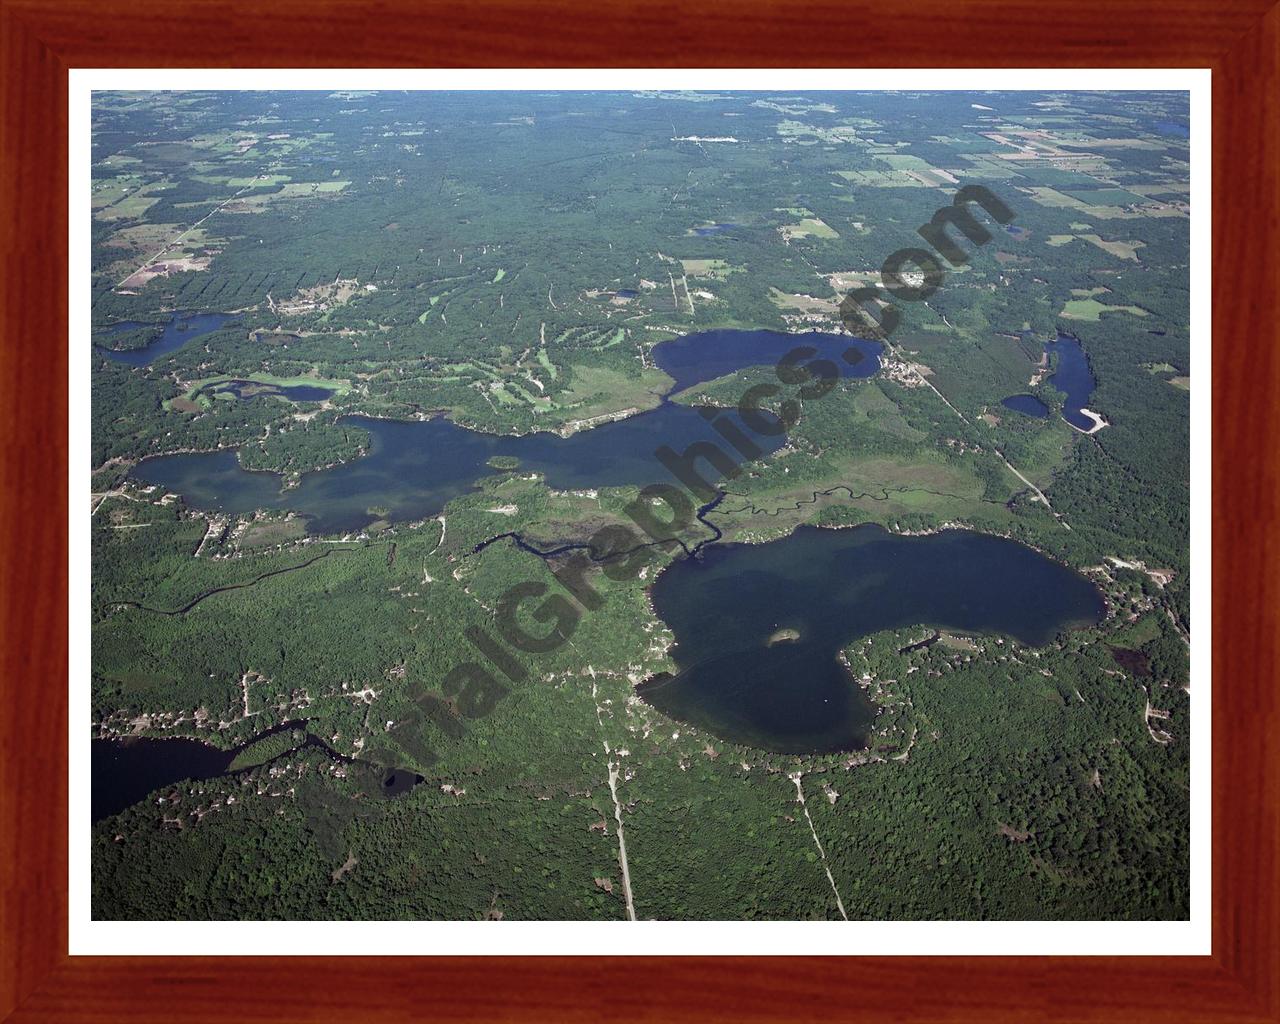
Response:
column 1093, row 310
column 880, row 490
column 545, row 362
column 881, row 179
column 714, row 269
column 598, row 390
column 1106, row 197
column 809, row 227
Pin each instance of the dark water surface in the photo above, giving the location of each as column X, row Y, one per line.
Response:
column 698, row 358
column 833, row 586
column 248, row 389
column 183, row 328
column 127, row 771
column 414, row 468
column 1028, row 405
column 1073, row 377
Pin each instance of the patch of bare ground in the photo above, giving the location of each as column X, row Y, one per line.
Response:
column 318, row 298
column 617, row 806
column 351, row 861
column 797, row 778
column 1153, row 713
column 164, row 268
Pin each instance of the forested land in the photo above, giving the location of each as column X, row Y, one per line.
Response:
column 510, row 261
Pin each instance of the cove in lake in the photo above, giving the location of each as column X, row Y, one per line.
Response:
column 1028, row 405
column 831, row 587
column 414, row 468
column 183, row 328
column 126, row 771
column 698, row 358
column 1074, row 378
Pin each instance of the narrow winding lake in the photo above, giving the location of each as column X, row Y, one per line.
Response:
column 1074, row 378
column 125, row 771
column 181, row 330
column 827, row 588
column 414, row 468
column 249, row 389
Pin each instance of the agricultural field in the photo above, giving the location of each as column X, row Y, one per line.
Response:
column 1092, row 309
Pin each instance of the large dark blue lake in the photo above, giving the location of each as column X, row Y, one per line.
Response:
column 831, row 587
column 414, row 468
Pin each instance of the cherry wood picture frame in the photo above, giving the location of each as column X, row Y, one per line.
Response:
column 41, row 39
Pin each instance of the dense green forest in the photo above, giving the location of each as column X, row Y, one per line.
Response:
column 510, row 261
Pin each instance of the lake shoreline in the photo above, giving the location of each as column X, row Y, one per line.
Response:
column 822, row 588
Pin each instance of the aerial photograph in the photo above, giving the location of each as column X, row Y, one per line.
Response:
column 639, row 505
